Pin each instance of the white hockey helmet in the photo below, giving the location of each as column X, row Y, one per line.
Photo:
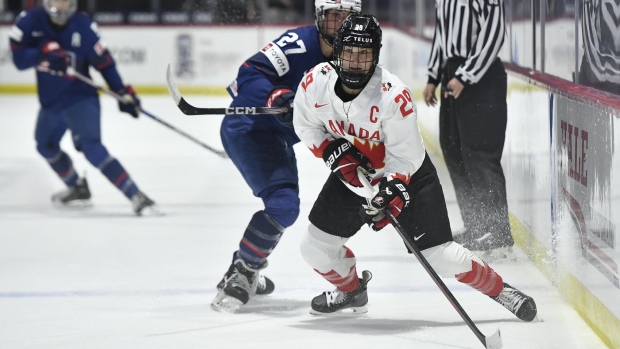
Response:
column 60, row 11
column 326, row 29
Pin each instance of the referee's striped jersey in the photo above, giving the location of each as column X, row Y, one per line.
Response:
column 469, row 29
column 600, row 27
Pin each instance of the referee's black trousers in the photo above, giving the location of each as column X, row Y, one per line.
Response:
column 472, row 131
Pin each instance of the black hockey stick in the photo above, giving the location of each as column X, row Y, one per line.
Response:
column 189, row 109
column 72, row 72
column 493, row 341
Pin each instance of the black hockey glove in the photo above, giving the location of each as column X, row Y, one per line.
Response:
column 130, row 103
column 282, row 97
column 393, row 194
column 53, row 59
column 344, row 159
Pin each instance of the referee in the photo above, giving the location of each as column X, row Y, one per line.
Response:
column 600, row 66
column 473, row 115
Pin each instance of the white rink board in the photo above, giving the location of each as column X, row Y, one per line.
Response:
column 206, row 56
column 213, row 54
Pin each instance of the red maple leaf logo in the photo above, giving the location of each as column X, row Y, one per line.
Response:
column 374, row 151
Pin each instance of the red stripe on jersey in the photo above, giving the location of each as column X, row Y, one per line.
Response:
column 108, row 62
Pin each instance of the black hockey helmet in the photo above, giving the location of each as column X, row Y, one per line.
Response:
column 327, row 27
column 353, row 61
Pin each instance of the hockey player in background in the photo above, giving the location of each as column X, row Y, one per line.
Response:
column 51, row 39
column 262, row 146
column 357, row 116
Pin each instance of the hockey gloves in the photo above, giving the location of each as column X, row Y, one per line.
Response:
column 344, row 159
column 393, row 195
column 130, row 103
column 282, row 97
column 53, row 59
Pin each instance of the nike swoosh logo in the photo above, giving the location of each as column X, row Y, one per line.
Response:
column 416, row 238
column 316, row 105
column 36, row 34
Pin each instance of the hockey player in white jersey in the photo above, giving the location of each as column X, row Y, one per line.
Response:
column 356, row 115
column 262, row 147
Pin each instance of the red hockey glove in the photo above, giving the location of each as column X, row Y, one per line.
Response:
column 344, row 159
column 393, row 194
column 282, row 97
column 130, row 103
column 53, row 59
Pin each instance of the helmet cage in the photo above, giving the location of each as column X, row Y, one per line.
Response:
column 57, row 15
column 360, row 31
column 321, row 20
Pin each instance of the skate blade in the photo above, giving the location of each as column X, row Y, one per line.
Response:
column 353, row 311
column 151, row 211
column 225, row 303
column 73, row 205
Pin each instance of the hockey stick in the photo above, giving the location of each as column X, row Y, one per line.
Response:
column 493, row 341
column 72, row 72
column 189, row 109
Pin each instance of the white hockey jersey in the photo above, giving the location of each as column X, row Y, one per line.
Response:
column 381, row 121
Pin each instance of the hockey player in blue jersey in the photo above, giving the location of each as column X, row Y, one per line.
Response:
column 52, row 39
column 262, row 146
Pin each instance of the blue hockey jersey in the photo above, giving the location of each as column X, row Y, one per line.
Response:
column 79, row 37
column 281, row 63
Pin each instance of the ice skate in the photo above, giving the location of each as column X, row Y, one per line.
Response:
column 343, row 303
column 75, row 196
column 520, row 304
column 142, row 205
column 239, row 284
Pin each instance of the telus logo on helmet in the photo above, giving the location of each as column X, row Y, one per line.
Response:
column 358, row 39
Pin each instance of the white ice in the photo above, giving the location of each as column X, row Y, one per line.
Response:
column 103, row 278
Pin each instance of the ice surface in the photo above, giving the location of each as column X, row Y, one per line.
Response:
column 103, row 278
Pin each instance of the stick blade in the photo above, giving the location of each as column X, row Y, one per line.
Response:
column 494, row 341
column 172, row 88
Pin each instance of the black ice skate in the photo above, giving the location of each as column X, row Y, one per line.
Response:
column 337, row 302
column 239, row 284
column 520, row 304
column 142, row 204
column 75, row 196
